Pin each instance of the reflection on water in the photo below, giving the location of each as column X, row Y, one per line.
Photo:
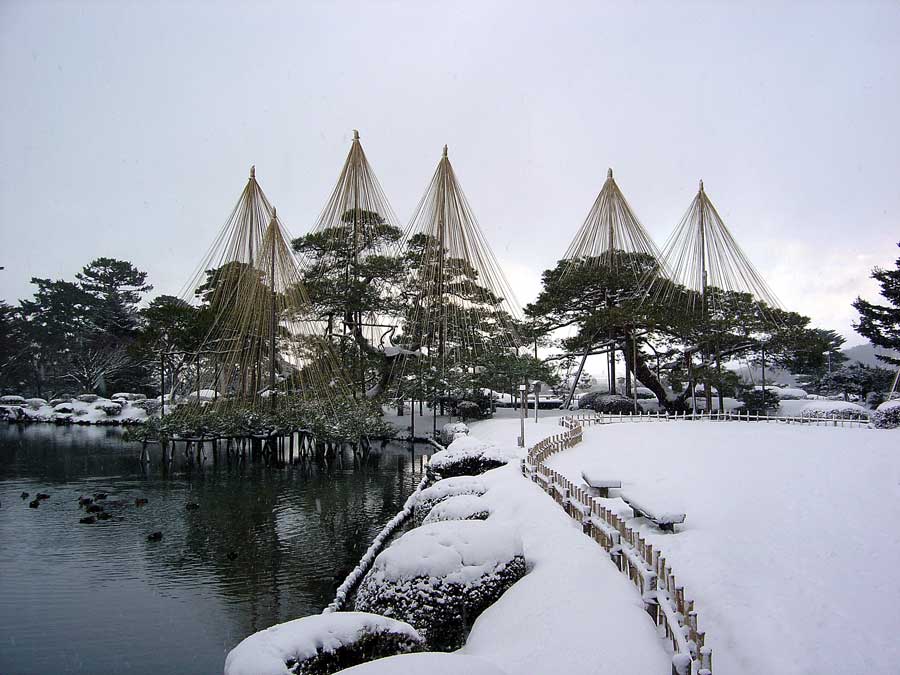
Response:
column 268, row 543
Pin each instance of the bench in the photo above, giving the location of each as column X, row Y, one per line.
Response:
column 665, row 521
column 600, row 487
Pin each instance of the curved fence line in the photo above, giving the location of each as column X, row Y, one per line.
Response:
column 727, row 416
column 664, row 599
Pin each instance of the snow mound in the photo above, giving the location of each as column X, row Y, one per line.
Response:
column 790, row 393
column 468, row 456
column 444, row 489
column 887, row 415
column 324, row 643
column 460, row 507
column 426, row 663
column 441, row 576
column 12, row 400
column 452, row 430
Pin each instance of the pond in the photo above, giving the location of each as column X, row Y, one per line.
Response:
column 267, row 544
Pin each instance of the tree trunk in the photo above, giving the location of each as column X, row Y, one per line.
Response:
column 647, row 378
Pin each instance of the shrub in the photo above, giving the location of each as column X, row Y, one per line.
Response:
column 111, row 408
column 612, row 404
column 444, row 489
column 87, row 398
column 460, row 507
column 467, row 456
column 887, row 416
column 758, row 402
column 322, row 644
column 440, row 577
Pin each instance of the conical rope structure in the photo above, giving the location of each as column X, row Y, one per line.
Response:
column 343, row 260
column 462, row 307
column 704, row 263
column 259, row 341
column 612, row 236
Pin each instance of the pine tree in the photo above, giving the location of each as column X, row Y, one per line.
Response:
column 881, row 323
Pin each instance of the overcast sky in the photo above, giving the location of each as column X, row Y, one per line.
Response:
column 127, row 129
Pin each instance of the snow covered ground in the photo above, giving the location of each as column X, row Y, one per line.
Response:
column 790, row 546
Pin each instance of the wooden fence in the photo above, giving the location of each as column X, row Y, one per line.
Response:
column 726, row 416
column 663, row 598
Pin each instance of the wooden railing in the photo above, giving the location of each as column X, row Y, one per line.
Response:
column 664, row 599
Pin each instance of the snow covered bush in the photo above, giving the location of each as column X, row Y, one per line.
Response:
column 451, row 430
column 460, row 507
column 12, row 400
column 87, row 398
column 611, row 404
column 321, row 644
column 427, row 663
column 441, row 576
column 148, row 405
column 36, row 403
column 128, row 396
column 790, row 393
column 758, row 402
column 12, row 413
column 834, row 410
column 467, row 456
column 468, row 410
column 887, row 416
column 444, row 489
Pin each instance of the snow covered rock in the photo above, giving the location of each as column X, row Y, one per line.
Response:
column 12, row 400
column 64, row 408
column 36, row 403
column 148, row 405
column 887, row 415
column 460, row 507
column 790, row 393
column 12, row 413
column 468, row 456
column 426, row 663
column 321, row 644
column 441, row 576
column 87, row 398
column 128, row 396
column 444, row 489
column 111, row 408
column 452, row 430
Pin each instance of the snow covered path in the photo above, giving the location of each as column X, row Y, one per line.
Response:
column 574, row 613
column 791, row 542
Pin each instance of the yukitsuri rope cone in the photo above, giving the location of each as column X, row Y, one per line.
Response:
column 702, row 257
column 612, row 236
column 611, row 240
column 259, row 340
column 353, row 268
column 464, row 307
column 646, row 567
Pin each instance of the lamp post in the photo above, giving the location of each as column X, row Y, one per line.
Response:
column 523, row 390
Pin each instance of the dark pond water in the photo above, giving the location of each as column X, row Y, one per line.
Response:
column 268, row 544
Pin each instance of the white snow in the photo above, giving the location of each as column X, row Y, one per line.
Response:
column 265, row 652
column 459, row 485
column 790, row 538
column 83, row 412
column 460, row 507
column 456, row 551
column 426, row 663
column 800, row 408
column 465, row 447
column 888, row 405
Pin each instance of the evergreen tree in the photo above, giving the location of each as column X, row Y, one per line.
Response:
column 881, row 323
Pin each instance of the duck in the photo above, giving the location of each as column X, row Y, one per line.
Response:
column 100, row 495
column 43, row 495
column 24, row 495
column 85, row 501
column 34, row 503
column 192, row 506
column 103, row 515
column 94, row 508
column 140, row 501
column 154, row 536
column 88, row 520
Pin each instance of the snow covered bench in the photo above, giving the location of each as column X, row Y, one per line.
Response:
column 664, row 520
column 600, row 487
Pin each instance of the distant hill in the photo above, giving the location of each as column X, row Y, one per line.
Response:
column 865, row 354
